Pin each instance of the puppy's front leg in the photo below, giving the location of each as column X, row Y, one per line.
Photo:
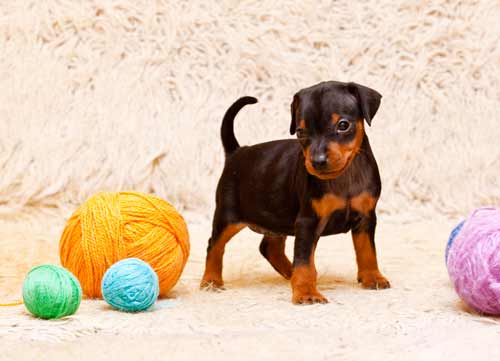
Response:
column 363, row 236
column 304, row 271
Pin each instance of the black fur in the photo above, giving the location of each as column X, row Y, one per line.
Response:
column 268, row 187
column 229, row 141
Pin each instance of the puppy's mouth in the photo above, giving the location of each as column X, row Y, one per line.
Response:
column 328, row 173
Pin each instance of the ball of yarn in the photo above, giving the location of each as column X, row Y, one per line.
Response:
column 51, row 292
column 130, row 285
column 454, row 233
column 474, row 261
column 110, row 227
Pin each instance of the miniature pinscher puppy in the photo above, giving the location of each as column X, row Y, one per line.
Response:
column 322, row 183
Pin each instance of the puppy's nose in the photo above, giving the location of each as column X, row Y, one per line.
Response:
column 319, row 161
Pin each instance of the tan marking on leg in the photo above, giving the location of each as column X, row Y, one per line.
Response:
column 275, row 254
column 212, row 277
column 304, row 285
column 366, row 258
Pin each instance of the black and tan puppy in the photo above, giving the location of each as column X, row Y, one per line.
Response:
column 325, row 182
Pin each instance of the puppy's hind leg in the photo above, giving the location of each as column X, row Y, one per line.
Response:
column 222, row 232
column 273, row 249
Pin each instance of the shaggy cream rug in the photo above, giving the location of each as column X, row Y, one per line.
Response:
column 419, row 318
column 127, row 94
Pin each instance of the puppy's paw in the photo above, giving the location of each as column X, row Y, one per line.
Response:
column 212, row 284
column 308, row 298
column 373, row 280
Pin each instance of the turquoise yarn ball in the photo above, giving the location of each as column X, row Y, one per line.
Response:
column 130, row 285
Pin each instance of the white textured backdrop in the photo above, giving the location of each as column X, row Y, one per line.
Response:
column 122, row 94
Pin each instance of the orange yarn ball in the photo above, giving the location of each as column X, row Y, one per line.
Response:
column 109, row 227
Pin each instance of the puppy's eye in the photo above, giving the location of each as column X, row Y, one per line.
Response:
column 301, row 133
column 343, row 126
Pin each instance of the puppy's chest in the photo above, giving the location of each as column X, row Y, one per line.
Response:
column 340, row 213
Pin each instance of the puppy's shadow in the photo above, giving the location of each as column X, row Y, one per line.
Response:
column 330, row 281
column 325, row 282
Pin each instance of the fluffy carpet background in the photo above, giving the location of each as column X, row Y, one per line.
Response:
column 129, row 94
column 111, row 95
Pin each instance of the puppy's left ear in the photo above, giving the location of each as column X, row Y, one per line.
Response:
column 368, row 99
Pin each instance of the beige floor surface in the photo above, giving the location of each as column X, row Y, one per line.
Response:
column 420, row 318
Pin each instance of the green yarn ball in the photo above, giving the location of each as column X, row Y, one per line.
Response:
column 51, row 291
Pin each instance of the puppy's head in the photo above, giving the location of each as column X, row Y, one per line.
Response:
column 328, row 120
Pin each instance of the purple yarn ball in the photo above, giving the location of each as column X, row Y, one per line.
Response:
column 474, row 261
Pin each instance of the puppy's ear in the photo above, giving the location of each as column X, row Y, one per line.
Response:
column 294, row 108
column 368, row 99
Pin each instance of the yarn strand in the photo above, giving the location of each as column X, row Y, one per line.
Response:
column 16, row 303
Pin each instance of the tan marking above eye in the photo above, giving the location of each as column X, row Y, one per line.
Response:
column 335, row 118
column 328, row 204
column 302, row 123
column 364, row 203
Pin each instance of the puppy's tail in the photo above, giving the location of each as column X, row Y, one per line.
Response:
column 229, row 141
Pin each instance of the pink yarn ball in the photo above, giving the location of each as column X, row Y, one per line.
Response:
column 474, row 261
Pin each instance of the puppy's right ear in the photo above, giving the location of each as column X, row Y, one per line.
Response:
column 294, row 110
column 368, row 98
